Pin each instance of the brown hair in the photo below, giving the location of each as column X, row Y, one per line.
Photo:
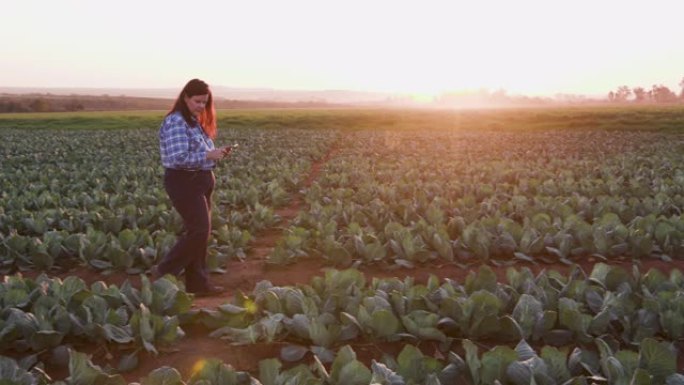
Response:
column 207, row 119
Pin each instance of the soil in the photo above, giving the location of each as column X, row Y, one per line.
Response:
column 197, row 346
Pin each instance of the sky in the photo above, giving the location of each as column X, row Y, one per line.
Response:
column 421, row 47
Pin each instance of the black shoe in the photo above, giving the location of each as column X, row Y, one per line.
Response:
column 210, row 291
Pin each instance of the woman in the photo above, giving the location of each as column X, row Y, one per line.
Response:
column 189, row 156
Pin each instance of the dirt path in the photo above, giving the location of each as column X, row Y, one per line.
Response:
column 243, row 275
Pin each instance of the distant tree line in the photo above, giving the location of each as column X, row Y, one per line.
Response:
column 62, row 103
column 38, row 104
column 656, row 94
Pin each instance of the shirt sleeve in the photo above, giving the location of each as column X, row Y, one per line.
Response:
column 175, row 145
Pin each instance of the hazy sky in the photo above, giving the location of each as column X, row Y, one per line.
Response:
column 421, row 46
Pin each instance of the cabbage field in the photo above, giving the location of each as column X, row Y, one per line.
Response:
column 359, row 246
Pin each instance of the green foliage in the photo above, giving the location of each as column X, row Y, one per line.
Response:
column 114, row 214
column 13, row 372
column 596, row 313
column 555, row 198
column 528, row 192
column 45, row 313
column 458, row 193
column 83, row 372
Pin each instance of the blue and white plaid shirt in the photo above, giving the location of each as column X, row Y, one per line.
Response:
column 183, row 146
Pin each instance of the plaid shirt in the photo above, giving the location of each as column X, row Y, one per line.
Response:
column 183, row 146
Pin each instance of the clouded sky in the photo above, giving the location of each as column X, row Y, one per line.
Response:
column 419, row 46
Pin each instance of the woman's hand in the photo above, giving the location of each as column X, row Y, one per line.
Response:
column 218, row 153
column 226, row 150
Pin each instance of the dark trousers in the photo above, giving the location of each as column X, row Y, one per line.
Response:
column 190, row 193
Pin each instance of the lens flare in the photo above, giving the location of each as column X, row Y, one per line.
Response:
column 250, row 306
column 198, row 366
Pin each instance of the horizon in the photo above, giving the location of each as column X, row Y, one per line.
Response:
column 529, row 48
column 482, row 97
